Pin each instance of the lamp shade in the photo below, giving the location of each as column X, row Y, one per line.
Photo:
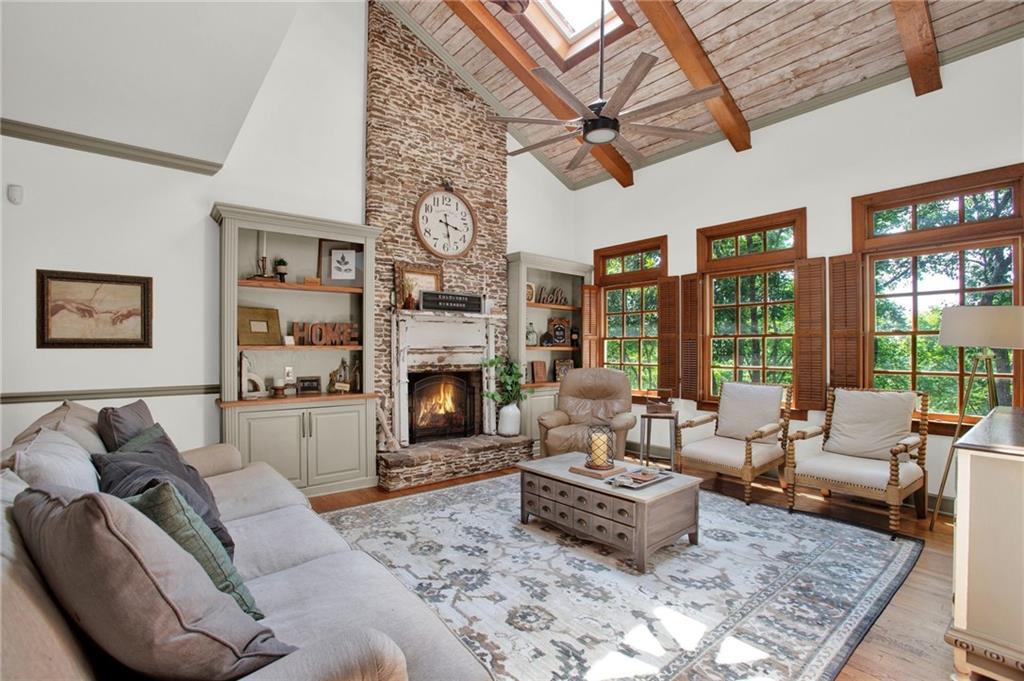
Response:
column 986, row 326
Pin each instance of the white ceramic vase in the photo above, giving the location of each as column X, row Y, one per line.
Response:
column 508, row 420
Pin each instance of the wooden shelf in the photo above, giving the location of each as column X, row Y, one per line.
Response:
column 549, row 306
column 293, row 399
column 544, row 384
column 551, row 348
column 286, row 286
column 290, row 348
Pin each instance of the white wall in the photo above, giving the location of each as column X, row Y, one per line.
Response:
column 540, row 209
column 880, row 140
column 300, row 150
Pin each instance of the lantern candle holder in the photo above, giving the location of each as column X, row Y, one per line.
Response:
column 600, row 451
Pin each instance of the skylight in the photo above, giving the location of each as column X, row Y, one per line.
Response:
column 575, row 17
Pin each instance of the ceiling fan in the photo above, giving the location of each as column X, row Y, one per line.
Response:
column 604, row 121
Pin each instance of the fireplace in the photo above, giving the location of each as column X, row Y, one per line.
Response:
column 443, row 404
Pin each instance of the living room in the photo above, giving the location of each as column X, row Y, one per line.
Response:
column 539, row 339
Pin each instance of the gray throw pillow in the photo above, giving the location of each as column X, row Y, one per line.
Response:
column 166, row 507
column 141, row 597
column 118, row 425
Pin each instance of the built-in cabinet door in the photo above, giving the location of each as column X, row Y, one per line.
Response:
column 277, row 437
column 336, row 440
column 542, row 400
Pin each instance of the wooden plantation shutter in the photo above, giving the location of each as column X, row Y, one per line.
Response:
column 689, row 337
column 590, row 333
column 845, row 339
column 809, row 339
column 668, row 335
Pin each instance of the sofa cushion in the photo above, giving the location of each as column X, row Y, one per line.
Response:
column 725, row 451
column 745, row 407
column 55, row 458
column 350, row 589
column 38, row 643
column 165, row 506
column 855, row 470
column 280, row 539
column 255, row 489
column 868, row 424
column 135, row 592
column 118, row 425
column 74, row 420
column 125, row 473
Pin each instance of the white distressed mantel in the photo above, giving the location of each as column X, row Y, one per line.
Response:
column 429, row 341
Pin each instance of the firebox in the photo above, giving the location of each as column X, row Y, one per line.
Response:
column 443, row 405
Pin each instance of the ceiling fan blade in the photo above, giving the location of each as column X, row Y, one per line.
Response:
column 680, row 102
column 662, row 131
column 544, row 143
column 629, row 83
column 632, row 154
column 564, row 93
column 578, row 157
column 528, row 121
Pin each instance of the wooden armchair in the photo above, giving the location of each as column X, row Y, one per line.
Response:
column 868, row 450
column 751, row 426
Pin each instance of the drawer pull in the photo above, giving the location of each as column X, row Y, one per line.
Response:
column 581, row 500
column 545, row 508
column 563, row 515
column 546, row 488
column 531, row 483
column 601, row 528
column 581, row 522
column 563, row 494
column 623, row 512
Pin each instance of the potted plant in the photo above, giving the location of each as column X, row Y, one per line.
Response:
column 280, row 268
column 508, row 376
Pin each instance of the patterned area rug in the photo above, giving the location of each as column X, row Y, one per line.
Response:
column 765, row 595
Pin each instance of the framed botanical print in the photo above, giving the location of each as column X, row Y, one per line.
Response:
column 411, row 280
column 90, row 310
column 339, row 264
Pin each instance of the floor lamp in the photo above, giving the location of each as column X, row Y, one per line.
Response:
column 985, row 327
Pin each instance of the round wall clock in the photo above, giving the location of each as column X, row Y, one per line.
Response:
column 445, row 223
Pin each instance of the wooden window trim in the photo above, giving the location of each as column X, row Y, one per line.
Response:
column 638, row 277
column 568, row 53
column 864, row 206
column 869, row 312
column 705, row 235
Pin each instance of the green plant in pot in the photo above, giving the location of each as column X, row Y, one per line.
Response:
column 280, row 268
column 508, row 377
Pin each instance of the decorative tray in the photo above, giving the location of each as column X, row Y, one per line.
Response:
column 635, row 480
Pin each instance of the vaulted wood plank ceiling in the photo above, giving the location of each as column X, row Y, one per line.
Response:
column 772, row 55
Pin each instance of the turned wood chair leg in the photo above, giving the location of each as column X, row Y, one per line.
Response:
column 782, row 476
column 791, row 494
column 894, row 520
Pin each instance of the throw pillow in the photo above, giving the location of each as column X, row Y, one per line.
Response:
column 165, row 506
column 55, row 458
column 141, row 597
column 118, row 425
column 79, row 424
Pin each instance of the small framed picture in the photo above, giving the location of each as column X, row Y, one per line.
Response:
column 89, row 310
column 308, row 385
column 258, row 326
column 339, row 264
column 412, row 279
column 531, row 292
column 562, row 367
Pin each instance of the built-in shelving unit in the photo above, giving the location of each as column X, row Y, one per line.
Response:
column 542, row 271
column 322, row 442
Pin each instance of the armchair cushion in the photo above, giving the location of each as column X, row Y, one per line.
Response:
column 623, row 422
column 868, row 424
column 726, row 451
column 745, row 407
column 553, row 419
column 569, row 438
column 594, row 396
column 855, row 470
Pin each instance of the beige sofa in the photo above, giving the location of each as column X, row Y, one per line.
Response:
column 344, row 611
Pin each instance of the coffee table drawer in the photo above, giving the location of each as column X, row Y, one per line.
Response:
column 581, row 498
column 531, row 503
column 601, row 504
column 545, row 508
column 624, row 511
column 582, row 522
column 601, row 528
column 563, row 514
column 623, row 536
column 531, row 483
column 546, row 487
column 563, row 492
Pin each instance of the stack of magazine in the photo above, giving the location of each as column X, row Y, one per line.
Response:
column 639, row 478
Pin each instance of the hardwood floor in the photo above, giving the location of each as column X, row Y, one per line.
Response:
column 905, row 644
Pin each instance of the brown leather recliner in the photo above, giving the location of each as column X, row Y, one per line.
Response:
column 588, row 397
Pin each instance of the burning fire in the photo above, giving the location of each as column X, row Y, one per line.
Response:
column 437, row 407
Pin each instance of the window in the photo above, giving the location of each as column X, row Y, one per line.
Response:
column 567, row 30
column 575, row 17
column 775, row 239
column 908, row 294
column 752, row 325
column 761, row 242
column 976, row 206
column 631, row 333
column 633, row 262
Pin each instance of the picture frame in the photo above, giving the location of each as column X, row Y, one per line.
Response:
column 531, row 292
column 412, row 279
column 258, row 326
column 539, row 369
column 560, row 330
column 308, row 385
column 334, row 273
column 93, row 310
column 562, row 367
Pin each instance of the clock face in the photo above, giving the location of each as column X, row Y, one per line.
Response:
column 445, row 223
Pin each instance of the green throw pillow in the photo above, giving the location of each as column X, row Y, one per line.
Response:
column 166, row 507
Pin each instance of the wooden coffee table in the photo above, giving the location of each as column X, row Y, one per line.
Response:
column 638, row 522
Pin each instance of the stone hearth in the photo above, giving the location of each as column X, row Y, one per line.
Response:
column 427, row 462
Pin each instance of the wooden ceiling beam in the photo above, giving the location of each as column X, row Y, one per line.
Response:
column 914, row 23
column 514, row 56
column 684, row 47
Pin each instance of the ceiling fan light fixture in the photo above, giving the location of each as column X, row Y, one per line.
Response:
column 600, row 130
